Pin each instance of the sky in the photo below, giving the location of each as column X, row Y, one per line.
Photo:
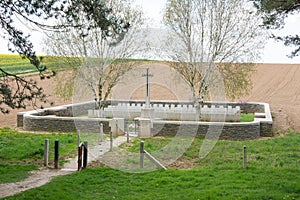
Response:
column 274, row 52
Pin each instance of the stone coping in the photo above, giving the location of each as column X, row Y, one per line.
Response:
column 205, row 123
column 44, row 113
column 265, row 117
column 43, row 118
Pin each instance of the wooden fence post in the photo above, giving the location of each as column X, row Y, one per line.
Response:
column 142, row 151
column 56, row 154
column 79, row 162
column 245, row 157
column 85, row 154
column 46, row 153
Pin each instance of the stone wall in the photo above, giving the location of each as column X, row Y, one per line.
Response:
column 64, row 124
column 70, row 110
column 230, row 131
column 61, row 119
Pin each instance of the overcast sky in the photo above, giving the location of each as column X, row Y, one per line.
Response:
column 275, row 52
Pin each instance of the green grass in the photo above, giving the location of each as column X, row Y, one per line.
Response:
column 247, row 117
column 14, row 173
column 14, row 64
column 18, row 147
column 281, row 153
column 273, row 173
column 23, row 152
column 104, row 183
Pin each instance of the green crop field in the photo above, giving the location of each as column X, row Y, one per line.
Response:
column 14, row 64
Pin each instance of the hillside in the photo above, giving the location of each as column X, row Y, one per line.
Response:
column 276, row 84
column 279, row 85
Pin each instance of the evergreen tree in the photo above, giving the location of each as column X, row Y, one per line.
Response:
column 274, row 14
column 41, row 14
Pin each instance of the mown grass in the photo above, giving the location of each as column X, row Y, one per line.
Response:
column 105, row 183
column 14, row 173
column 247, row 117
column 23, row 152
column 273, row 173
column 271, row 153
column 18, row 147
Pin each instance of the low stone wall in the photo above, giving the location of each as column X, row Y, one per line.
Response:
column 265, row 120
column 64, row 124
column 226, row 131
column 61, row 119
column 70, row 110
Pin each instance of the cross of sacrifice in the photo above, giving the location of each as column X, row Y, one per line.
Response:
column 148, row 75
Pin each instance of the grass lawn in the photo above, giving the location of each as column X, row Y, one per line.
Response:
column 273, row 173
column 247, row 117
column 23, row 152
column 105, row 183
column 14, row 173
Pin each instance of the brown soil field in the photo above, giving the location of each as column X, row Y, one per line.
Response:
column 276, row 84
column 279, row 85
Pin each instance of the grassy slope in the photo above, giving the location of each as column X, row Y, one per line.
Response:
column 23, row 152
column 15, row 64
column 14, row 173
column 273, row 173
column 104, row 183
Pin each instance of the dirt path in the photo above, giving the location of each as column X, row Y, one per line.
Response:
column 42, row 176
column 36, row 179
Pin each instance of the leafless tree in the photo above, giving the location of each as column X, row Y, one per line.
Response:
column 214, row 36
column 99, row 62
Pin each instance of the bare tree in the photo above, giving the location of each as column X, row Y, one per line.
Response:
column 221, row 33
column 98, row 61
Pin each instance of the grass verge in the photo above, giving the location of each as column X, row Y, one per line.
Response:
column 23, row 152
column 105, row 183
column 28, row 148
column 14, row 173
column 272, row 173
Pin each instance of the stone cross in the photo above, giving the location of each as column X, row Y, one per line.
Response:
column 148, row 88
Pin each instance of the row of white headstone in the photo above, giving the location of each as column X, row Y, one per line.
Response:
column 171, row 112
